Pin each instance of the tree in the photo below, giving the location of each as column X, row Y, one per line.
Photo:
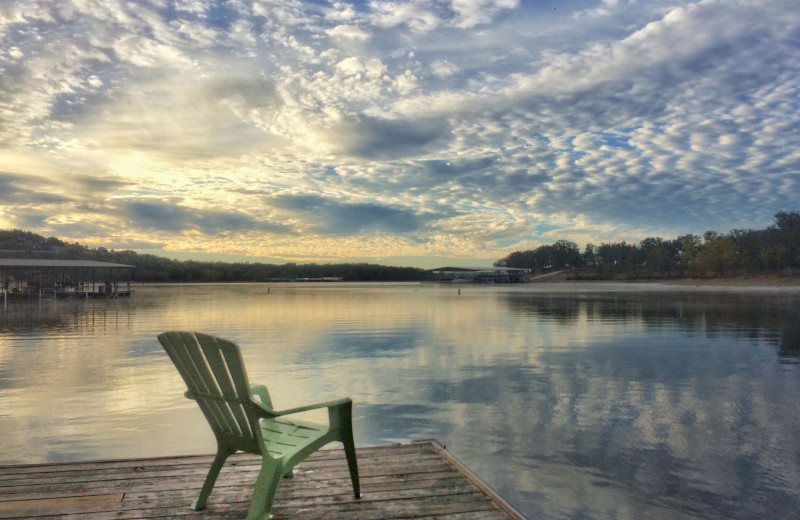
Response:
column 590, row 255
column 658, row 255
column 565, row 253
column 617, row 254
column 788, row 227
column 717, row 257
column 689, row 247
column 750, row 245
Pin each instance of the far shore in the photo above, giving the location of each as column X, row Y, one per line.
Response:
column 754, row 281
column 734, row 281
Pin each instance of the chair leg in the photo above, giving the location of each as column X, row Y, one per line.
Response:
column 264, row 491
column 211, row 477
column 350, row 453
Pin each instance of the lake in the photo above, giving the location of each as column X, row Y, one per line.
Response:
column 590, row 401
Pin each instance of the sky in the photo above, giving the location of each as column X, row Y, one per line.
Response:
column 413, row 133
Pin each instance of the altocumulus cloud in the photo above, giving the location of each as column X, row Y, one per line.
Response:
column 407, row 128
column 159, row 216
column 382, row 138
column 342, row 218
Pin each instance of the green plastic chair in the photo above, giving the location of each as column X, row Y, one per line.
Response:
column 242, row 417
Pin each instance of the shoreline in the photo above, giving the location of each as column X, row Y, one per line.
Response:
column 758, row 281
column 733, row 281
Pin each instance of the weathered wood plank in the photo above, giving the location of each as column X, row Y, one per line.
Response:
column 204, row 460
column 414, row 480
column 135, row 470
column 291, row 493
column 412, row 507
column 75, row 485
column 190, row 488
column 60, row 503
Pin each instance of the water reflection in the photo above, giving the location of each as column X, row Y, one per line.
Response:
column 626, row 402
column 790, row 344
column 751, row 315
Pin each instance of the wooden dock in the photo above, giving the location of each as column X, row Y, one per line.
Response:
column 415, row 480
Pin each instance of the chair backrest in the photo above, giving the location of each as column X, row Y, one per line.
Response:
column 214, row 373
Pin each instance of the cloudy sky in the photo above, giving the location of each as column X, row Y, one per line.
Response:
column 402, row 132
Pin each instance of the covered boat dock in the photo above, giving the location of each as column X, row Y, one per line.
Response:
column 480, row 274
column 25, row 278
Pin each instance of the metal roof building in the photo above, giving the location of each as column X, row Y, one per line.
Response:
column 33, row 263
column 480, row 274
column 35, row 278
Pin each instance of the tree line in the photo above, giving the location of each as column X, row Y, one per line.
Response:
column 741, row 251
column 16, row 243
column 775, row 249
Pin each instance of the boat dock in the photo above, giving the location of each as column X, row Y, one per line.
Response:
column 414, row 480
column 36, row 279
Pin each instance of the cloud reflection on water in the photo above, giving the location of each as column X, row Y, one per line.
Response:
column 625, row 404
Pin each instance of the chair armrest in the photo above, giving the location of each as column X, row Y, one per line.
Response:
column 262, row 393
column 317, row 406
column 269, row 412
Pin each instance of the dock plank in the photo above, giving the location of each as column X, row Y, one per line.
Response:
column 414, row 480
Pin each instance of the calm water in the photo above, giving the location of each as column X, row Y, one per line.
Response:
column 590, row 402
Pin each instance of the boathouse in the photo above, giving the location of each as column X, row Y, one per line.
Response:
column 25, row 278
column 480, row 274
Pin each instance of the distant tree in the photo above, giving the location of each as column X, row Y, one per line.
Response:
column 519, row 260
column 717, row 257
column 559, row 255
column 565, row 253
column 788, row 227
column 617, row 254
column 750, row 244
column 658, row 255
column 589, row 255
column 689, row 246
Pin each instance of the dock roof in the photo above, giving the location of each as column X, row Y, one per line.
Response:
column 34, row 263
column 475, row 269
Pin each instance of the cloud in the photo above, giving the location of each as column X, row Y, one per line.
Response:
column 412, row 128
column 470, row 13
column 443, row 69
column 211, row 117
column 20, row 190
column 606, row 8
column 328, row 216
column 380, row 138
column 166, row 216
column 349, row 32
column 418, row 16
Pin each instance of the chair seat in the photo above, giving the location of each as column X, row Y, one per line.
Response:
column 284, row 438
